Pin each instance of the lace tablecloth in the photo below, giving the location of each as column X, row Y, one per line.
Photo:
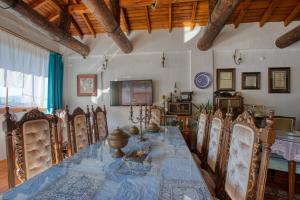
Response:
column 287, row 146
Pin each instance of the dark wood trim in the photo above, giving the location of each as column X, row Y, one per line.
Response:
column 288, row 80
column 256, row 74
column 232, row 70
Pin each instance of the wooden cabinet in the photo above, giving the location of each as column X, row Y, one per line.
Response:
column 180, row 108
column 224, row 103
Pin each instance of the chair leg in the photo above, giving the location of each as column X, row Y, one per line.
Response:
column 292, row 179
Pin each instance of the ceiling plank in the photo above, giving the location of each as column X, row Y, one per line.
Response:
column 105, row 17
column 148, row 19
column 272, row 6
column 25, row 13
column 142, row 3
column 88, row 24
column 194, row 10
column 38, row 4
column 292, row 15
column 219, row 18
column 53, row 17
column 170, row 17
column 244, row 8
column 288, row 38
column 125, row 21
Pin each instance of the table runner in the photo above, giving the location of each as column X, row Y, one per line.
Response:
column 168, row 172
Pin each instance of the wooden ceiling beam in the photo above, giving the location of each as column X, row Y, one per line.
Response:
column 244, row 8
column 142, row 3
column 25, row 13
column 110, row 25
column 219, row 18
column 77, row 28
column 288, row 38
column 292, row 15
column 170, row 17
column 148, row 19
column 211, row 7
column 193, row 16
column 52, row 17
column 125, row 21
column 65, row 19
column 78, row 8
column 273, row 5
column 114, row 6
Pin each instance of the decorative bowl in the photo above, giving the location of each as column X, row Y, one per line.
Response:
column 153, row 127
column 134, row 130
column 117, row 140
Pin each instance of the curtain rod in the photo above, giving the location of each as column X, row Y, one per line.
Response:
column 27, row 40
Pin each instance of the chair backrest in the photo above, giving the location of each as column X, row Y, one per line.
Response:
column 100, row 128
column 246, row 169
column 284, row 123
column 34, row 144
column 215, row 138
column 78, row 129
column 156, row 116
column 202, row 137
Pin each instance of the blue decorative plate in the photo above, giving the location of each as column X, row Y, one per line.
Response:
column 203, row 80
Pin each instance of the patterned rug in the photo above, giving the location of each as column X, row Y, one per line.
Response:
column 274, row 193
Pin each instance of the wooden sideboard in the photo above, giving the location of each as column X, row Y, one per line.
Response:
column 224, row 103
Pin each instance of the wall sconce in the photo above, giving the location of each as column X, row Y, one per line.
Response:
column 105, row 63
column 163, row 58
column 237, row 57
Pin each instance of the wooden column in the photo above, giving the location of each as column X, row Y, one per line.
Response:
column 8, row 128
column 111, row 26
column 288, row 38
column 219, row 17
column 34, row 19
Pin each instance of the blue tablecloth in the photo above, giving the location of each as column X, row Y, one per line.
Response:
column 168, row 172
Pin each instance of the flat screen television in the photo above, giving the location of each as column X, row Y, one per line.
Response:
column 135, row 92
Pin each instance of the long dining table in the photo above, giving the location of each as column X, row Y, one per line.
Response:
column 167, row 172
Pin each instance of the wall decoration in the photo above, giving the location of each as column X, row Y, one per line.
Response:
column 226, row 79
column 202, row 80
column 87, row 85
column 279, row 80
column 251, row 80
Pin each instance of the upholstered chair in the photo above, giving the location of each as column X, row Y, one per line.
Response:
column 34, row 144
column 284, row 123
column 247, row 161
column 156, row 115
column 100, row 129
column 78, row 129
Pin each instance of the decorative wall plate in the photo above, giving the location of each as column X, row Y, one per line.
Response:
column 203, row 80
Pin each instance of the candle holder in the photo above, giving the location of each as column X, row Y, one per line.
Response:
column 143, row 118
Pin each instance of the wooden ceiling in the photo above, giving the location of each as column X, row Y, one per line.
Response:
column 167, row 14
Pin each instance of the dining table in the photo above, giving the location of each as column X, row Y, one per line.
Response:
column 287, row 145
column 167, row 172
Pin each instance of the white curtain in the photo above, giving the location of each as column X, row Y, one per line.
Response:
column 24, row 70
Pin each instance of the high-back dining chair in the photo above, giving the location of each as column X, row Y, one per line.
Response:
column 284, row 123
column 247, row 163
column 78, row 129
column 202, row 134
column 34, row 146
column 99, row 123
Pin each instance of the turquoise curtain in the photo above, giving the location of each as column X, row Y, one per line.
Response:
column 55, row 82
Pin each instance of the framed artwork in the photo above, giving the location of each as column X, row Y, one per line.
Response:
column 279, row 80
column 251, row 80
column 87, row 85
column 226, row 79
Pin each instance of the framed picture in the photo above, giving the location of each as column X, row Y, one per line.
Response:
column 87, row 85
column 226, row 79
column 251, row 80
column 279, row 80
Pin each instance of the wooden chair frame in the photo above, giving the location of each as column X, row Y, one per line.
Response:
column 95, row 124
column 285, row 117
column 72, row 146
column 259, row 164
column 13, row 129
